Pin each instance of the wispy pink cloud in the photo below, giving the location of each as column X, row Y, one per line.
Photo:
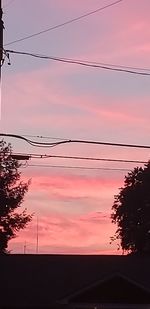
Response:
column 77, row 188
column 46, row 103
column 62, row 234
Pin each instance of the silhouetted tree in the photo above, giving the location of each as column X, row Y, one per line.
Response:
column 12, row 192
column 131, row 211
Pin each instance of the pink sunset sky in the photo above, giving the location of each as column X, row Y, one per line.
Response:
column 52, row 99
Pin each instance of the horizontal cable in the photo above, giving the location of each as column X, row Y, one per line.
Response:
column 77, row 167
column 82, row 63
column 71, row 141
column 46, row 156
column 45, row 137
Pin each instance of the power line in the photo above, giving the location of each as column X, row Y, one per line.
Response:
column 44, row 137
column 71, row 141
column 78, row 167
column 45, row 156
column 77, row 61
column 64, row 23
column 107, row 64
column 31, row 142
column 83, row 63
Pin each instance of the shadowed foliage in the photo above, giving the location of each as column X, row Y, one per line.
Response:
column 131, row 212
column 12, row 192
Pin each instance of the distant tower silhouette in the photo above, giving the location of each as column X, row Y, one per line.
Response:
column 37, row 235
column 25, row 247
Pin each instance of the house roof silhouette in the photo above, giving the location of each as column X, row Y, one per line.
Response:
column 67, row 280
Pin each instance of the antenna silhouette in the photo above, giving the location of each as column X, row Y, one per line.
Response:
column 25, row 247
column 37, row 235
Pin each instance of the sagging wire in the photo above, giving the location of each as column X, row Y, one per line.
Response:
column 34, row 143
column 69, row 141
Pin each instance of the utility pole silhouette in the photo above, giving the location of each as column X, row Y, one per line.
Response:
column 1, row 37
column 1, row 48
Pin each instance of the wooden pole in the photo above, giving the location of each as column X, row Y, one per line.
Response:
column 1, row 37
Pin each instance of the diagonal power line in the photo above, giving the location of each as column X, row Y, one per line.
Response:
column 64, row 23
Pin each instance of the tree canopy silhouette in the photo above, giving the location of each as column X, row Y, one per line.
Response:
column 131, row 212
column 12, row 192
